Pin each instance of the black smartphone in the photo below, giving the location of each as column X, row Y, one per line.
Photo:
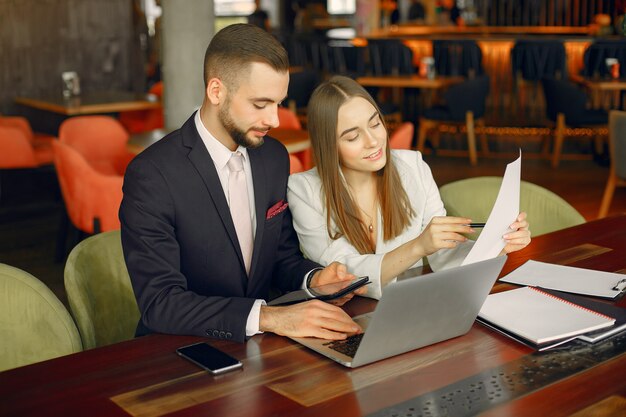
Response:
column 326, row 292
column 337, row 290
column 206, row 356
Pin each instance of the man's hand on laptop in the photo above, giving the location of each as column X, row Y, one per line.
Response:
column 336, row 272
column 309, row 319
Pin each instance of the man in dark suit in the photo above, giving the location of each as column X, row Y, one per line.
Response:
column 197, row 264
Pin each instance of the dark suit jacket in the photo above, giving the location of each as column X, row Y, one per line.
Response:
column 180, row 244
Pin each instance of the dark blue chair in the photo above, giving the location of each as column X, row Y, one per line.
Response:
column 340, row 57
column 458, row 57
column 566, row 106
column 301, row 86
column 390, row 57
column 532, row 60
column 594, row 58
column 464, row 104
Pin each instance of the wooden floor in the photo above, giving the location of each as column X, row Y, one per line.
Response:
column 30, row 204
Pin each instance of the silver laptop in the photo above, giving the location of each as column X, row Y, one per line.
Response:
column 415, row 312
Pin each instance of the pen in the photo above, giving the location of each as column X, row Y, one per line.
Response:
column 477, row 224
column 620, row 285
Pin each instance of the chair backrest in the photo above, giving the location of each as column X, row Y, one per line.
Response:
column 35, row 326
column 563, row 97
column 301, row 86
column 16, row 151
column 390, row 57
column 594, row 58
column 20, row 123
column 295, row 165
column 138, row 121
column 474, row 198
column 617, row 142
column 99, row 291
column 457, row 57
column 402, row 137
column 343, row 58
column 287, row 119
column 100, row 139
column 87, row 193
column 535, row 59
column 157, row 89
column 470, row 95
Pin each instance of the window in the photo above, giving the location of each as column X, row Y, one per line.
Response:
column 341, row 7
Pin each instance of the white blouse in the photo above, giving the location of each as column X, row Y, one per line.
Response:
column 306, row 202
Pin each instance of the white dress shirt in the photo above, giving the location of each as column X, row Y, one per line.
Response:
column 307, row 205
column 220, row 155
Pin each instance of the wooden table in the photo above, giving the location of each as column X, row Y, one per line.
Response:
column 92, row 103
column 406, row 89
column 408, row 81
column 280, row 378
column 295, row 140
column 605, row 93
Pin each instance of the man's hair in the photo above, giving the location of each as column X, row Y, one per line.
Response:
column 235, row 47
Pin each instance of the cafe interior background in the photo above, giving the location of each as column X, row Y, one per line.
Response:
column 130, row 46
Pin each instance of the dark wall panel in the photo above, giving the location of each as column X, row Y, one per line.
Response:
column 39, row 39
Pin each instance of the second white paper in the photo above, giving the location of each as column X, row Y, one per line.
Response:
column 504, row 212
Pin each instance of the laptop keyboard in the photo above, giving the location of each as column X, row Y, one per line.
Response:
column 348, row 346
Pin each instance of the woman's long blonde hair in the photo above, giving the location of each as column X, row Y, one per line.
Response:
column 395, row 206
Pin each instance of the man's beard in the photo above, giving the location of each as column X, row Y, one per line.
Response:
column 238, row 135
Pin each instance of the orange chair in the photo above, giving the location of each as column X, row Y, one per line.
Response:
column 287, row 119
column 15, row 149
column 41, row 144
column 138, row 121
column 101, row 140
column 294, row 164
column 92, row 199
column 402, row 137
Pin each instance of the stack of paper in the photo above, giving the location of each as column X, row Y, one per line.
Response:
column 539, row 318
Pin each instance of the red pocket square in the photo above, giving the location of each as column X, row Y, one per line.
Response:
column 276, row 209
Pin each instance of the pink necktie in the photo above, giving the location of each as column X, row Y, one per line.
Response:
column 239, row 206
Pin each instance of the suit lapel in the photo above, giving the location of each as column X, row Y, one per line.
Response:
column 259, row 176
column 201, row 159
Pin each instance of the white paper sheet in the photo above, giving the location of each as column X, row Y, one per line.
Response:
column 565, row 278
column 504, row 212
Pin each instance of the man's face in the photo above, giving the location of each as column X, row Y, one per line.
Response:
column 249, row 112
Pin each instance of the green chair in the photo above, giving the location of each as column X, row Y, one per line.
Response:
column 99, row 291
column 474, row 198
column 34, row 325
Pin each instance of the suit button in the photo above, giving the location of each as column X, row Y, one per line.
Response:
column 222, row 334
column 215, row 333
column 208, row 332
column 229, row 335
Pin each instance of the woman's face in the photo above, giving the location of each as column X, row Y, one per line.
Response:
column 361, row 137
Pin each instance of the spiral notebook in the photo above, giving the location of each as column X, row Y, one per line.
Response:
column 539, row 319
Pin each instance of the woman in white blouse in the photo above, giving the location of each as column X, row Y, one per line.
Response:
column 377, row 211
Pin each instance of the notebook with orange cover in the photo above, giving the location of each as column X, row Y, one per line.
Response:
column 538, row 317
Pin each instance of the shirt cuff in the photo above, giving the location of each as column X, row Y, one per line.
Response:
column 252, row 325
column 306, row 279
